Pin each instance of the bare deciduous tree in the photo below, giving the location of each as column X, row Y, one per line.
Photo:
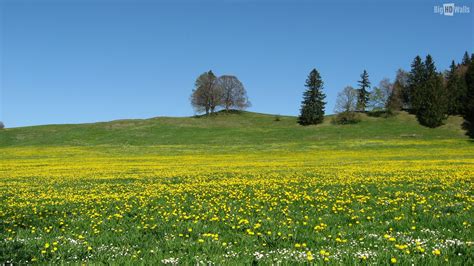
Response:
column 233, row 93
column 400, row 98
column 380, row 96
column 346, row 100
column 207, row 94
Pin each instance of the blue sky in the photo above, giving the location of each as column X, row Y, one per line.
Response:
column 84, row 61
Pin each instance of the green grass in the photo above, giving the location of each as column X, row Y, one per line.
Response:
column 243, row 128
column 237, row 189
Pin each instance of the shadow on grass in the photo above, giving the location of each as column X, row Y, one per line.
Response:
column 383, row 114
column 220, row 113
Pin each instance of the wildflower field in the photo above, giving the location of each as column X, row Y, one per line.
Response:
column 352, row 201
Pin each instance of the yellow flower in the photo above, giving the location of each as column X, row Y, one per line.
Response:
column 309, row 256
column 89, row 248
column 393, row 260
column 436, row 252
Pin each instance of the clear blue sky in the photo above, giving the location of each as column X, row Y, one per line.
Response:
column 85, row 61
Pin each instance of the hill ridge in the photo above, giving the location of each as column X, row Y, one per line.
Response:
column 223, row 128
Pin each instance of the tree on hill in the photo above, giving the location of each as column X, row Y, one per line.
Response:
column 2, row 126
column 468, row 110
column 363, row 93
column 234, row 94
column 346, row 105
column 466, row 60
column 380, row 95
column 456, row 88
column 416, row 79
column 346, row 100
column 429, row 96
column 207, row 95
column 312, row 106
column 400, row 97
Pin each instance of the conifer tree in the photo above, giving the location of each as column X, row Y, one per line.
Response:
column 415, row 82
column 456, row 90
column 468, row 110
column 466, row 60
column 312, row 106
column 363, row 97
column 430, row 97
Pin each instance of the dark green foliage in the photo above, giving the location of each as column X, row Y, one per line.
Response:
column 465, row 59
column 346, row 118
column 433, row 111
column 429, row 97
column 312, row 106
column 381, row 113
column 468, row 112
column 363, row 97
column 416, row 79
column 456, row 89
column 2, row 126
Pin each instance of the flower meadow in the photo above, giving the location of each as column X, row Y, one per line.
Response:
column 354, row 202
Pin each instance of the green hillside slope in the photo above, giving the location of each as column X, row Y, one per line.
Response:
column 233, row 129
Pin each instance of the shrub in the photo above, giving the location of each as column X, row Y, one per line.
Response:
column 382, row 113
column 277, row 118
column 2, row 126
column 346, row 118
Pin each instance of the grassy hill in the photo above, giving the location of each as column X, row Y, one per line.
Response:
column 145, row 191
column 237, row 128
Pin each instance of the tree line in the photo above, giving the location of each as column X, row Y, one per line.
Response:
column 423, row 91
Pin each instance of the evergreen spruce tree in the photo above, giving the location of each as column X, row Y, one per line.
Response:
column 363, row 96
column 312, row 106
column 466, row 60
column 456, row 90
column 468, row 110
column 431, row 100
column 416, row 79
